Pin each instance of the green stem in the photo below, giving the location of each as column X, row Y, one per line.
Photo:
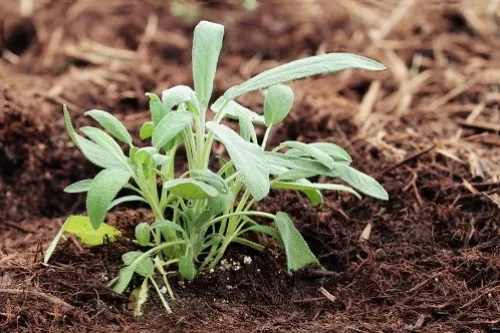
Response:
column 163, row 300
column 248, row 213
column 266, row 136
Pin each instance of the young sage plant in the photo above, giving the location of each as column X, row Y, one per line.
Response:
column 197, row 212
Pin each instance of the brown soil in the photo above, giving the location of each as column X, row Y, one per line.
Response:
column 427, row 128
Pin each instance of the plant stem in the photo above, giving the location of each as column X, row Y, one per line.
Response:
column 248, row 213
column 163, row 300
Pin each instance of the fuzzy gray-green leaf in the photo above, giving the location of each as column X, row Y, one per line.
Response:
column 310, row 150
column 105, row 141
column 277, row 104
column 178, row 95
column 248, row 159
column 158, row 110
column 298, row 254
column 232, row 109
column 102, row 191
column 79, row 186
column 146, row 130
column 98, row 155
column 207, row 43
column 143, row 234
column 111, row 124
column 190, row 188
column 298, row 69
column 171, row 125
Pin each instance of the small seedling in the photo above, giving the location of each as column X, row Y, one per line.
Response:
column 197, row 212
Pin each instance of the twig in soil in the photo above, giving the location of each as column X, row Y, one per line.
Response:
column 37, row 294
column 406, row 160
column 480, row 125
column 18, row 227
column 327, row 294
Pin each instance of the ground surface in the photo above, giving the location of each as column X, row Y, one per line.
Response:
column 427, row 129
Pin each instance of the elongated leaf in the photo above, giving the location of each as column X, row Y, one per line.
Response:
column 79, row 186
column 171, row 125
column 265, row 229
column 143, row 234
column 298, row 69
column 247, row 131
column 53, row 244
column 298, row 254
column 314, row 195
column 69, row 126
column 105, row 141
column 102, row 191
column 232, row 109
column 360, row 181
column 127, row 198
column 190, row 188
column 211, row 178
column 80, row 227
column 186, row 266
column 277, row 105
column 309, row 150
column 248, row 159
column 124, row 278
column 140, row 296
column 111, row 124
column 313, row 186
column 158, row 110
column 207, row 43
column 146, row 130
column 336, row 152
column 178, row 95
column 98, row 155
column 144, row 267
column 167, row 224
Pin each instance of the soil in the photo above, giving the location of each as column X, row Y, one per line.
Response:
column 427, row 129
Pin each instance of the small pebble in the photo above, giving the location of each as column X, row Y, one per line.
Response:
column 380, row 255
column 163, row 290
column 247, row 260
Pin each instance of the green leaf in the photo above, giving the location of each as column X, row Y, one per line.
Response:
column 98, row 155
column 144, row 267
column 248, row 159
column 336, row 152
column 265, row 229
column 298, row 254
column 158, row 110
column 143, row 234
column 167, row 224
column 313, row 186
column 207, row 43
column 53, row 244
column 360, row 181
column 139, row 296
column 186, row 265
column 298, row 69
column 127, row 198
column 69, row 126
column 310, row 150
column 179, row 95
column 146, row 130
column 171, row 125
column 102, row 191
column 105, row 141
column 80, row 227
column 211, row 178
column 220, row 203
column 124, row 278
column 190, row 188
column 232, row 109
column 247, row 131
column 111, row 124
column 79, row 186
column 314, row 195
column 277, row 104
